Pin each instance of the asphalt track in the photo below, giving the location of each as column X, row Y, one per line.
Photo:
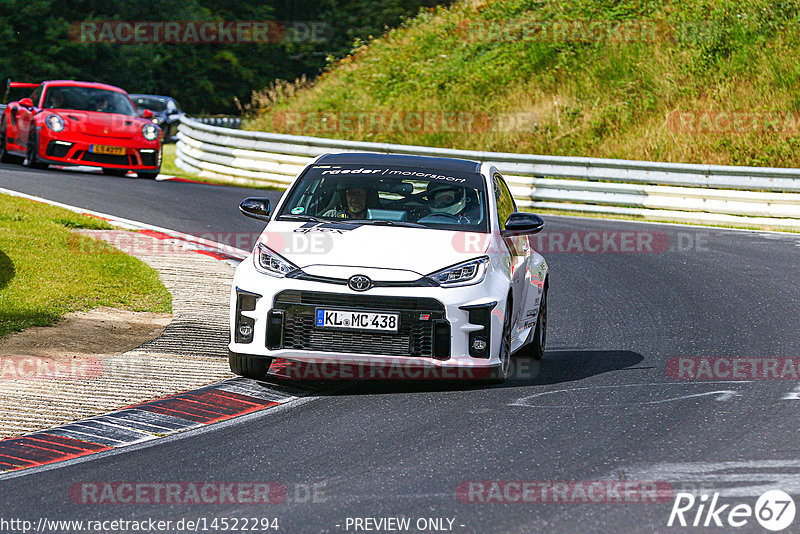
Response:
column 601, row 406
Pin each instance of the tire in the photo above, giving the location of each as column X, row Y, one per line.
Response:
column 115, row 172
column 5, row 157
column 254, row 367
column 148, row 175
column 32, row 153
column 500, row 373
column 534, row 348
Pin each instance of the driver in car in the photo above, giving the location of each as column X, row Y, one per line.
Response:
column 452, row 202
column 355, row 198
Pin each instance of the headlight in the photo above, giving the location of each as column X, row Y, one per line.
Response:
column 462, row 274
column 150, row 131
column 54, row 122
column 271, row 263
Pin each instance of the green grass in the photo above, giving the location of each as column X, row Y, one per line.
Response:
column 46, row 270
column 610, row 97
column 168, row 166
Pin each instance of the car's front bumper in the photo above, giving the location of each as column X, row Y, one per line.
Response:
column 438, row 326
column 66, row 148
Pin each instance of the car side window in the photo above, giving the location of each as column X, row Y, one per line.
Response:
column 505, row 201
column 37, row 93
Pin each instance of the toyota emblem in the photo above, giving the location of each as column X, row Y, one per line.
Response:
column 359, row 282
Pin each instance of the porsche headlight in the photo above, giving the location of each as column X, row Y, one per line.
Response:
column 270, row 262
column 462, row 274
column 54, row 122
column 150, row 131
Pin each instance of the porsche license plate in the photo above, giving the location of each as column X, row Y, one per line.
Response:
column 357, row 320
column 105, row 149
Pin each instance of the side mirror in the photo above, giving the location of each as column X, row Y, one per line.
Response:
column 523, row 223
column 26, row 103
column 147, row 114
column 256, row 208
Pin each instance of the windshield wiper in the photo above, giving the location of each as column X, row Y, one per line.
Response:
column 383, row 222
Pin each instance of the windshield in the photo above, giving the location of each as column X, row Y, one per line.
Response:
column 88, row 99
column 151, row 103
column 399, row 196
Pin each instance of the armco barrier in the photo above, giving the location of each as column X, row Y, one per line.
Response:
column 706, row 194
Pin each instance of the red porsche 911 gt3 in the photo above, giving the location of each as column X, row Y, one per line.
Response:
column 65, row 122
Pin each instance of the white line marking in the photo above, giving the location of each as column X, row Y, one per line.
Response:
column 722, row 395
column 794, row 394
column 710, row 477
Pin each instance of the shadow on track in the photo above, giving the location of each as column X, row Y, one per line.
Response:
column 556, row 367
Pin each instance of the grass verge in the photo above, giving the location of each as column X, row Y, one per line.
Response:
column 705, row 81
column 45, row 271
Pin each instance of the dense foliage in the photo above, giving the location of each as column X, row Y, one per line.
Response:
column 36, row 44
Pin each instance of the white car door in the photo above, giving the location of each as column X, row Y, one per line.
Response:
column 520, row 251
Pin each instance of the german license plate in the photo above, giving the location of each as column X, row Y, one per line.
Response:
column 105, row 149
column 357, row 320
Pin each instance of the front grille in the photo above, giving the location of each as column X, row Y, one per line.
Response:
column 414, row 337
column 148, row 159
column 108, row 159
column 57, row 150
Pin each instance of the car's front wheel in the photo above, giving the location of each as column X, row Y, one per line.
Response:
column 5, row 157
column 535, row 347
column 248, row 366
column 115, row 172
column 501, row 371
column 32, row 153
column 148, row 175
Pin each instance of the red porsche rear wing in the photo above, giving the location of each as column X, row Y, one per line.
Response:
column 17, row 85
column 22, row 85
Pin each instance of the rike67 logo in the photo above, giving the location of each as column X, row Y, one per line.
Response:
column 774, row 510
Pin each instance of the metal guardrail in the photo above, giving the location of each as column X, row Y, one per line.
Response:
column 676, row 192
column 222, row 122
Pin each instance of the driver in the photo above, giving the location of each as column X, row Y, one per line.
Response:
column 449, row 199
column 355, row 200
column 57, row 102
column 103, row 104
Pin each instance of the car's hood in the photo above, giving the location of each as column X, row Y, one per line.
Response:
column 339, row 248
column 99, row 124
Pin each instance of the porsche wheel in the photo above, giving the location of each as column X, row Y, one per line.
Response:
column 254, row 367
column 32, row 153
column 5, row 157
column 115, row 172
column 148, row 175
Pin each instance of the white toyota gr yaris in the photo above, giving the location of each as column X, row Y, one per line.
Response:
column 391, row 260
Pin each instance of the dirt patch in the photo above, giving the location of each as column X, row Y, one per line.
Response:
column 99, row 332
